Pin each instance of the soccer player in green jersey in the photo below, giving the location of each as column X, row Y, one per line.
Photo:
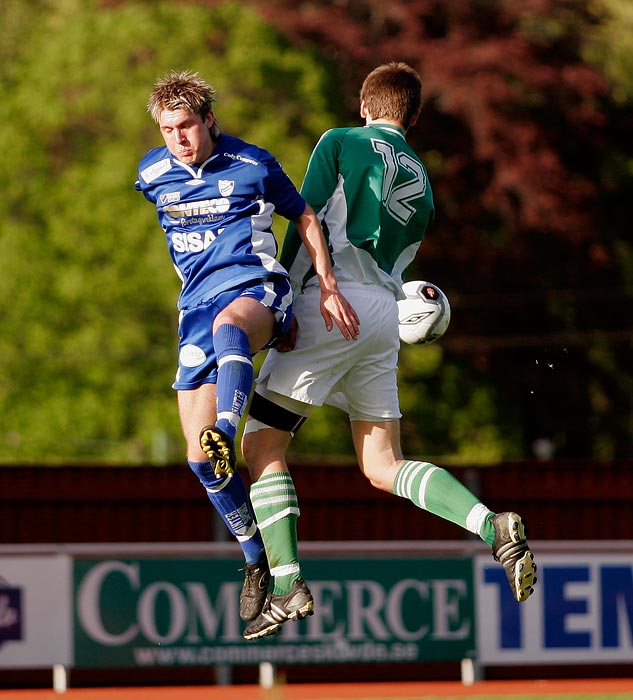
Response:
column 372, row 195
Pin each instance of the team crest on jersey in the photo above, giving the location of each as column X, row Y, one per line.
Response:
column 226, row 187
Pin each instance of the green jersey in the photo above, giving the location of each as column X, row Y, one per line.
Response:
column 372, row 195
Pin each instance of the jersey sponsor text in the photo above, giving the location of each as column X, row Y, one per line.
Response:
column 194, row 241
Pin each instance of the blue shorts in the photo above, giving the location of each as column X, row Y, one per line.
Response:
column 197, row 363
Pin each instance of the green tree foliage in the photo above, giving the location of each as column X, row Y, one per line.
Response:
column 611, row 47
column 88, row 338
column 526, row 133
column 529, row 154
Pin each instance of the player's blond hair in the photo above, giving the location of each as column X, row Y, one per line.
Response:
column 393, row 91
column 183, row 90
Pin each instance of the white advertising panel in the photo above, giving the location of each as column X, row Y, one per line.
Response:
column 581, row 611
column 35, row 611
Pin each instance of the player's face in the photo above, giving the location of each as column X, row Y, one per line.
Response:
column 187, row 135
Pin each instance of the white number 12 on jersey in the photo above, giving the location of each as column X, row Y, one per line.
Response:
column 396, row 199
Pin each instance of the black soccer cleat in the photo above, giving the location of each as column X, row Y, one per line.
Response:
column 278, row 609
column 220, row 450
column 511, row 549
column 254, row 590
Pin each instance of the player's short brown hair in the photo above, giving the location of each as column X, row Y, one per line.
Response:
column 184, row 90
column 393, row 91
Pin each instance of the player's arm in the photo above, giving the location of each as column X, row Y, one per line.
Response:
column 322, row 174
column 334, row 306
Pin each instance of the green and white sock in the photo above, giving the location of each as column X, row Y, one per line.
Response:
column 437, row 491
column 276, row 508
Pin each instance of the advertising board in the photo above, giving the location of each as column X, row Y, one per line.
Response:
column 161, row 612
column 35, row 610
column 581, row 612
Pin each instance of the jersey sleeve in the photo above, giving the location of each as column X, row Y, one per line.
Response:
column 153, row 163
column 280, row 190
column 138, row 186
column 322, row 171
column 318, row 186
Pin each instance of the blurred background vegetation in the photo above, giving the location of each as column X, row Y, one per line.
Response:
column 526, row 132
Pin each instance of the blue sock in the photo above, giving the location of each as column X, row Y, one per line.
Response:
column 235, row 376
column 230, row 498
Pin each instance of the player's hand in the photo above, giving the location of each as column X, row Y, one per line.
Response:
column 288, row 342
column 336, row 309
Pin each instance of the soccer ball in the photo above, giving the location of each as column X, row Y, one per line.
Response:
column 424, row 315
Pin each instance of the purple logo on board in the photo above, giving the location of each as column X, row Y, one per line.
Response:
column 10, row 612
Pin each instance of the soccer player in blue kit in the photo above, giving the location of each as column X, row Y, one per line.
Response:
column 215, row 196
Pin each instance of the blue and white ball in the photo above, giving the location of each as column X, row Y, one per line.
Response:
column 424, row 315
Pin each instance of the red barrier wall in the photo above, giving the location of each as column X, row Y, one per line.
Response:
column 558, row 500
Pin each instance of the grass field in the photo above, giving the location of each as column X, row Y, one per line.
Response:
column 573, row 696
column 603, row 689
column 256, row 695
column 147, row 694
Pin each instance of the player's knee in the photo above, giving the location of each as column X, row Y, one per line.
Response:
column 263, row 447
column 204, row 472
column 249, row 442
column 380, row 483
column 256, row 451
column 380, row 476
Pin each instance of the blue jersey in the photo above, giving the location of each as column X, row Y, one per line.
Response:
column 217, row 216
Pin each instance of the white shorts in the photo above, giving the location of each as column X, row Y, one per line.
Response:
column 359, row 376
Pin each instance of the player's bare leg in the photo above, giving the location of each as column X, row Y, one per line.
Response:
column 435, row 490
column 227, row 492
